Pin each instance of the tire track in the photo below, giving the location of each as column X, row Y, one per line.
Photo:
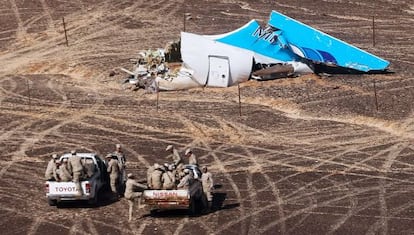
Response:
column 351, row 212
column 391, row 215
column 91, row 226
column 21, row 30
column 389, row 127
column 180, row 226
column 275, row 190
column 35, row 226
column 140, row 229
column 48, row 14
column 312, row 207
column 301, row 220
column 394, row 152
column 232, row 183
column 253, row 199
column 28, row 142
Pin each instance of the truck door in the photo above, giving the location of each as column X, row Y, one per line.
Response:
column 219, row 71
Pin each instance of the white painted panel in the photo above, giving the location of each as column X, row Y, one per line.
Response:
column 196, row 51
column 219, row 72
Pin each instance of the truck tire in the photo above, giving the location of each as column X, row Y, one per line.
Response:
column 153, row 212
column 52, row 202
column 192, row 208
column 94, row 200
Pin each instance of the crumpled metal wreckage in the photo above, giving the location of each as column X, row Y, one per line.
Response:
column 284, row 48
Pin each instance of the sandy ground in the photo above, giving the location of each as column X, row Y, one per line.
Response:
column 309, row 155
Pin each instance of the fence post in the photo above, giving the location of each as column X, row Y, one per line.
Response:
column 238, row 86
column 376, row 98
column 64, row 28
column 373, row 31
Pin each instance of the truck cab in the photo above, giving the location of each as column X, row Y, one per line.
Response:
column 94, row 179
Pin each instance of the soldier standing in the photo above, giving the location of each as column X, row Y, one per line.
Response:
column 168, row 178
column 63, row 171
column 149, row 174
column 175, row 155
column 208, row 186
column 121, row 159
column 156, row 177
column 50, row 173
column 185, row 181
column 76, row 168
column 113, row 170
column 133, row 190
column 192, row 159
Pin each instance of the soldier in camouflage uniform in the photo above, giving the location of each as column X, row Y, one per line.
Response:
column 174, row 155
column 156, row 175
column 133, row 190
column 208, row 185
column 122, row 161
column 113, row 170
column 192, row 159
column 50, row 173
column 63, row 172
column 168, row 177
column 76, row 168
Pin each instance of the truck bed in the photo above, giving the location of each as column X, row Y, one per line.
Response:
column 67, row 191
column 167, row 199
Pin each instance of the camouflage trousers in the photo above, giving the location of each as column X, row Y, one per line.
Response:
column 131, row 202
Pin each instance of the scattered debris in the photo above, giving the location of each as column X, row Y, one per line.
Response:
column 284, row 48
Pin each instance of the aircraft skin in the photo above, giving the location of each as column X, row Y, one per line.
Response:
column 288, row 40
column 227, row 59
column 254, row 38
column 317, row 46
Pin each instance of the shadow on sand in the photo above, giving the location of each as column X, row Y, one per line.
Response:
column 105, row 199
column 217, row 205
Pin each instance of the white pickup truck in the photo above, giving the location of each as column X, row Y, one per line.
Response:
column 192, row 199
column 95, row 167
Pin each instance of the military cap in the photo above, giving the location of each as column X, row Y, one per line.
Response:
column 54, row 156
column 73, row 152
column 118, row 146
column 130, row 175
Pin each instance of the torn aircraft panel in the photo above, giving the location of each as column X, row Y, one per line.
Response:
column 287, row 40
column 284, row 48
column 319, row 47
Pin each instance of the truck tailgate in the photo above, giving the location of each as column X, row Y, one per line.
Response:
column 65, row 189
column 167, row 199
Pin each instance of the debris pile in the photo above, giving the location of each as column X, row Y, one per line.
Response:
column 283, row 48
column 152, row 65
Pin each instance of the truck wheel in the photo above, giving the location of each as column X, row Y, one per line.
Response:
column 51, row 202
column 153, row 212
column 94, row 200
column 192, row 207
